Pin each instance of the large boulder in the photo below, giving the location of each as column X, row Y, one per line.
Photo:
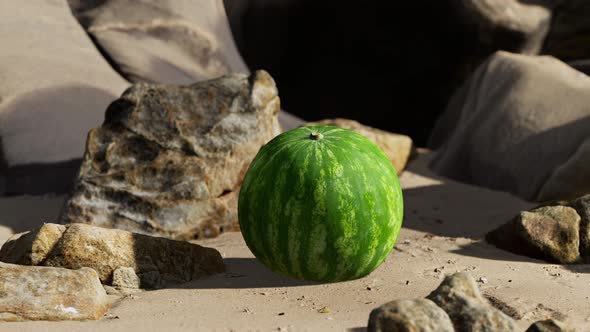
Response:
column 162, row 41
column 169, row 160
column 156, row 261
column 388, row 64
column 54, row 88
column 49, row 293
column 519, row 124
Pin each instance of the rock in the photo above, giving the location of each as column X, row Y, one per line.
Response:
column 163, row 41
column 398, row 148
column 48, row 293
column 168, row 160
column 469, row 311
column 502, row 123
column 582, row 207
column 549, row 325
column 47, row 101
column 125, row 277
column 507, row 24
column 420, row 315
column 569, row 32
column 550, row 233
column 107, row 250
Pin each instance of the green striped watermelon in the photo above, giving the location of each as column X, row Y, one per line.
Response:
column 321, row 203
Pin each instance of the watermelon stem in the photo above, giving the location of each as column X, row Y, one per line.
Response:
column 316, row 136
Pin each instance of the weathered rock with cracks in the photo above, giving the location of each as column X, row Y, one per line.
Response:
column 409, row 315
column 398, row 148
column 49, row 293
column 169, row 160
column 469, row 311
column 550, row 233
column 153, row 259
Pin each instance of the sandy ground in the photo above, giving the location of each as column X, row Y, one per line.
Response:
column 444, row 223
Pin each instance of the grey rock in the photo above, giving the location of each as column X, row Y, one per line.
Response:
column 459, row 296
column 419, row 315
column 501, row 131
column 163, row 41
column 125, row 277
column 398, row 148
column 48, row 293
column 169, row 160
column 549, row 325
column 107, row 250
column 507, row 24
column 55, row 87
column 550, row 233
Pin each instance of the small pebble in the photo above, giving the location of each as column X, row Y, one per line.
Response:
column 281, row 313
column 483, row 280
column 407, row 282
column 324, row 310
column 407, row 241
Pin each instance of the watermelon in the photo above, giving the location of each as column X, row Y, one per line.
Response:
column 320, row 203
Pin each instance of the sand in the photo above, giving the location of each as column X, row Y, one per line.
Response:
column 442, row 231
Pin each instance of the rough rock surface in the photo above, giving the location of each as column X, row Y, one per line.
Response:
column 162, row 41
column 550, row 233
column 459, row 296
column 582, row 207
column 49, row 293
column 398, row 148
column 125, row 277
column 106, row 250
column 507, row 24
column 549, row 325
column 55, row 87
column 169, row 160
column 419, row 315
column 502, row 123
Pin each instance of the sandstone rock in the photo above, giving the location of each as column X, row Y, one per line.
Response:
column 582, row 207
column 550, row 233
column 169, row 160
column 549, row 325
column 106, row 250
column 48, row 293
column 398, row 148
column 501, row 130
column 507, row 24
column 163, row 41
column 420, row 315
column 460, row 297
column 125, row 277
column 55, row 86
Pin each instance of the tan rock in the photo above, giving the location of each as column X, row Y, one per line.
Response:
column 550, row 232
column 420, row 315
column 469, row 311
column 48, row 293
column 106, row 250
column 169, row 160
column 398, row 148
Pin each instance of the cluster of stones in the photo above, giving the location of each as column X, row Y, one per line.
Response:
column 456, row 305
column 55, row 272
